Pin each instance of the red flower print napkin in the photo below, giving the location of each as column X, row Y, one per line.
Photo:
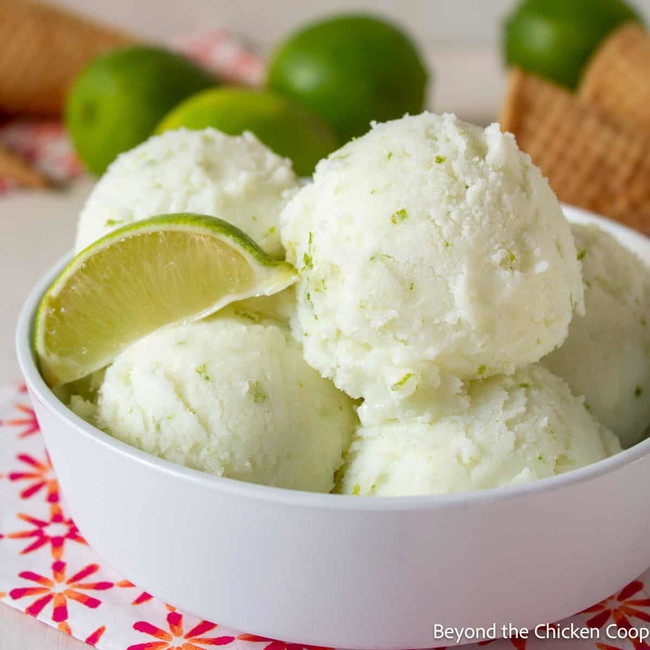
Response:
column 49, row 572
column 45, row 145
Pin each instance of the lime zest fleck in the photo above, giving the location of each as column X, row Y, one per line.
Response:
column 508, row 259
column 399, row 216
column 398, row 384
column 113, row 222
column 308, row 262
column 311, row 304
column 247, row 315
column 202, row 372
column 582, row 253
column 524, row 385
column 638, row 391
column 481, row 369
column 440, row 159
column 389, row 155
column 356, row 490
column 258, row 393
column 411, row 285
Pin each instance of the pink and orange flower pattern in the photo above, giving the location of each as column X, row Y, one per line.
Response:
column 54, row 531
column 175, row 636
column 36, row 475
column 60, row 591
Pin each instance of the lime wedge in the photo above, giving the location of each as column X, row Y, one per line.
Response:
column 142, row 277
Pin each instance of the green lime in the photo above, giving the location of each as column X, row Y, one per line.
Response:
column 290, row 130
column 140, row 278
column 555, row 38
column 117, row 100
column 350, row 70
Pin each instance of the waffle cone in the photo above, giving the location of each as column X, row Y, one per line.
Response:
column 618, row 76
column 16, row 169
column 42, row 49
column 589, row 160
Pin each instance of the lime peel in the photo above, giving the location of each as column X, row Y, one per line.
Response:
column 142, row 277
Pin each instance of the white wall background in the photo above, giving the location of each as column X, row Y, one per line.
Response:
column 433, row 22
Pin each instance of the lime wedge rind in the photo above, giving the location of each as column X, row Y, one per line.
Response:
column 87, row 316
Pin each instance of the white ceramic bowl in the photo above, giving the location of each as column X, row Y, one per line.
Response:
column 355, row 572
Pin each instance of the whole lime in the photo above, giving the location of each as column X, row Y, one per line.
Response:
column 117, row 100
column 555, row 38
column 290, row 130
column 351, row 69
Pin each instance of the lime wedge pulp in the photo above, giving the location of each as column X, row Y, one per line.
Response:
column 142, row 277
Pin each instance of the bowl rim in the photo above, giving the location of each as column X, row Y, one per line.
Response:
column 313, row 500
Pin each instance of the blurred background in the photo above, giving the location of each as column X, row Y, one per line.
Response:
column 460, row 39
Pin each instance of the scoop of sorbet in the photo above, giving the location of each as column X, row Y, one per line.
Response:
column 606, row 357
column 231, row 396
column 515, row 429
column 428, row 249
column 235, row 178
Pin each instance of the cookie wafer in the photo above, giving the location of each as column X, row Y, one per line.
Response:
column 42, row 48
column 590, row 160
column 618, row 77
column 16, row 169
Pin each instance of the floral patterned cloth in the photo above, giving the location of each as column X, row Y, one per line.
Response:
column 49, row 572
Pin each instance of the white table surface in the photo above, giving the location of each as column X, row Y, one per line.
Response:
column 37, row 229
